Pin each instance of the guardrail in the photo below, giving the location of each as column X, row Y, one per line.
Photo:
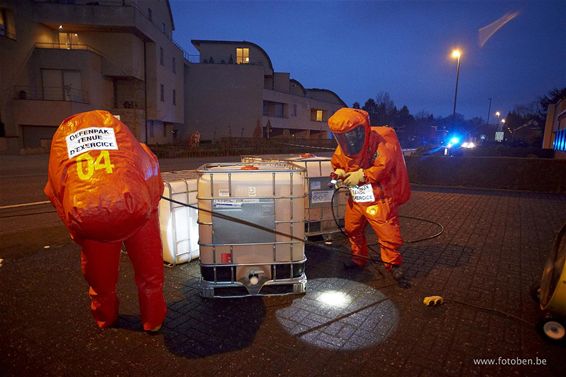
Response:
column 67, row 46
column 116, row 4
column 64, row 93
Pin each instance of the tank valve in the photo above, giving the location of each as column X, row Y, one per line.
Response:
column 254, row 276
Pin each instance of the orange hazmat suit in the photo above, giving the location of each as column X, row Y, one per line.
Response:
column 106, row 187
column 372, row 163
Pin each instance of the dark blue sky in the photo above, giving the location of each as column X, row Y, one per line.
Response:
column 360, row 48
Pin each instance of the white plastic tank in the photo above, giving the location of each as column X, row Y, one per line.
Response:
column 178, row 223
column 256, row 237
column 320, row 209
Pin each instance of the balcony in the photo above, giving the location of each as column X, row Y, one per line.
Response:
column 101, row 15
column 47, row 107
column 67, row 46
column 67, row 94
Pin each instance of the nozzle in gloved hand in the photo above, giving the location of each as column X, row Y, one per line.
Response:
column 354, row 178
column 336, row 178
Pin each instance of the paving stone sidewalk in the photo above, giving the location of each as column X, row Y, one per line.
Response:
column 493, row 248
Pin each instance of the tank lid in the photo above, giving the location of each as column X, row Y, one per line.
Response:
column 241, row 167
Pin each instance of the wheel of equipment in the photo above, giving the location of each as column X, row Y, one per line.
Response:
column 553, row 281
column 553, row 330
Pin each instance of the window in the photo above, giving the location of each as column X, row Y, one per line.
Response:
column 163, row 27
column 174, row 97
column 560, row 141
column 3, row 23
column 174, row 65
column 242, row 55
column 151, row 132
column 317, row 115
column 161, row 55
column 7, row 26
column 274, row 109
column 61, row 85
column 149, row 14
column 67, row 40
column 295, row 110
column 162, row 92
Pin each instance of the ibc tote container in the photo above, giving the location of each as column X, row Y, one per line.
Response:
column 238, row 259
column 178, row 224
column 319, row 207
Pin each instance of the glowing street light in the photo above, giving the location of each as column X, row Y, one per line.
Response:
column 456, row 54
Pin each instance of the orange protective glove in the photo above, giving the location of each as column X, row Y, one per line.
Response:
column 354, row 178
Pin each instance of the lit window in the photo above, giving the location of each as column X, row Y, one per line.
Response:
column 317, row 115
column 2, row 22
column 162, row 92
column 242, row 55
column 68, row 40
column 7, row 26
column 560, row 140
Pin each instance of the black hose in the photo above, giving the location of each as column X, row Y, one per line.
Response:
column 319, row 245
column 400, row 216
column 376, row 253
column 247, row 223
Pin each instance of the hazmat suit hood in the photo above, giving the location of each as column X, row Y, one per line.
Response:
column 351, row 129
column 103, row 183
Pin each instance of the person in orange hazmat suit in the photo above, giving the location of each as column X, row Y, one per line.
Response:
column 370, row 162
column 106, row 187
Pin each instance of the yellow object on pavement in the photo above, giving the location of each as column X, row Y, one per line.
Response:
column 433, row 300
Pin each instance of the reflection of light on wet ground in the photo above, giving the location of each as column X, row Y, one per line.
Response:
column 340, row 314
column 334, row 298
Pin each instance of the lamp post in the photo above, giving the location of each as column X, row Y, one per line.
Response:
column 488, row 111
column 456, row 54
column 498, row 115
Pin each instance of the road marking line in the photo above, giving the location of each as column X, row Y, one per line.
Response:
column 25, row 204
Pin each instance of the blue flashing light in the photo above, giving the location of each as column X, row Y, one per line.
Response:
column 455, row 140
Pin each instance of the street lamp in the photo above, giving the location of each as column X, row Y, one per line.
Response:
column 498, row 115
column 456, row 54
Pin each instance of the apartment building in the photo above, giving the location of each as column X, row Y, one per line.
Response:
column 61, row 57
column 555, row 129
column 234, row 91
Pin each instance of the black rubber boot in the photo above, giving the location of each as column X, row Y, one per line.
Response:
column 399, row 275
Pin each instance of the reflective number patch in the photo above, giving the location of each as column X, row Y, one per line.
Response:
column 86, row 165
column 362, row 194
